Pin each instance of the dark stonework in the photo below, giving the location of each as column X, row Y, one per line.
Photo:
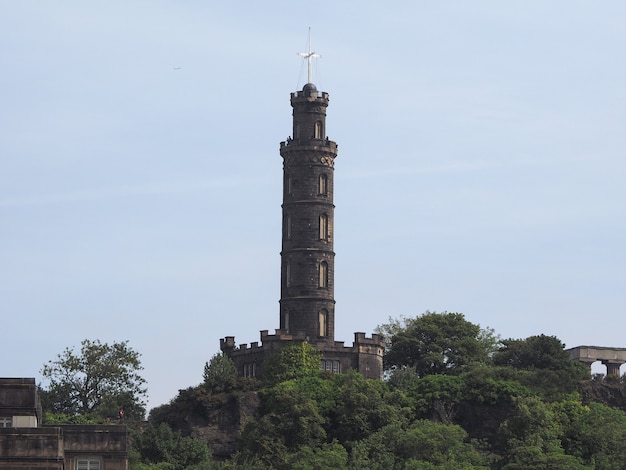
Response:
column 26, row 444
column 307, row 281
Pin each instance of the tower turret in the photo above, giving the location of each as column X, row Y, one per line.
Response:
column 307, row 304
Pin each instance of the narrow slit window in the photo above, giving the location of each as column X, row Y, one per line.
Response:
column 286, row 321
column 323, row 323
column 323, row 227
column 317, row 130
column 287, row 227
column 323, row 273
column 323, row 184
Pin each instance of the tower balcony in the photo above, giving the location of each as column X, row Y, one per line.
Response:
column 310, row 144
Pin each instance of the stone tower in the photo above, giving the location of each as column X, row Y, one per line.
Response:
column 307, row 287
column 307, row 304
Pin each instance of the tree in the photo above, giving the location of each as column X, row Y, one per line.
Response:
column 534, row 352
column 100, row 380
column 423, row 445
column 435, row 343
column 546, row 366
column 294, row 360
column 161, row 445
column 219, row 372
column 289, row 421
column 533, row 438
column 361, row 406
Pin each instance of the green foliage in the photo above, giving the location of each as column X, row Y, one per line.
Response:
column 533, row 458
column 543, row 365
column 295, row 360
column 100, row 380
column 290, row 420
column 167, row 449
column 331, row 456
column 492, row 385
column 423, row 445
column 595, row 433
column 435, row 343
column 535, row 352
column 62, row 418
column 512, row 398
column 437, row 395
column 361, row 407
column 219, row 373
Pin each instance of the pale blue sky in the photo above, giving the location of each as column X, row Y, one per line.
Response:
column 481, row 170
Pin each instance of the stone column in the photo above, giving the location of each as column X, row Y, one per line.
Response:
column 612, row 368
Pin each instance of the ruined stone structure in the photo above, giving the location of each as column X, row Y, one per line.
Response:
column 27, row 444
column 307, row 303
column 612, row 358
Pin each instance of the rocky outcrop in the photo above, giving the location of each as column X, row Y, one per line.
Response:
column 610, row 392
column 217, row 419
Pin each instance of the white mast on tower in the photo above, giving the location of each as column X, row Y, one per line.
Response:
column 309, row 56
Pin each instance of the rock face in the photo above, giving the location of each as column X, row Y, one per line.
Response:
column 608, row 392
column 217, row 419
column 223, row 425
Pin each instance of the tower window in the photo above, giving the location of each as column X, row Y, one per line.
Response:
column 296, row 130
column 323, row 227
column 323, row 323
column 288, row 274
column 323, row 184
column 317, row 130
column 6, row 421
column 323, row 274
column 285, row 325
column 287, row 227
column 289, row 185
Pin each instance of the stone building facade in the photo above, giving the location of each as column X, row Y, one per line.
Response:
column 307, row 285
column 26, row 443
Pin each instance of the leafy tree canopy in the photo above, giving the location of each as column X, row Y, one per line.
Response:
column 99, row 380
column 435, row 343
column 161, row 447
column 535, row 352
column 219, row 373
column 424, row 445
column 295, row 360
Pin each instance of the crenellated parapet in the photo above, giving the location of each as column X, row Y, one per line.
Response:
column 365, row 355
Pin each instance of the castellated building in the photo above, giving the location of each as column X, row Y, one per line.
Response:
column 307, row 284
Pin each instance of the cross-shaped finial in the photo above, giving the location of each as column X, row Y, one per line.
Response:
column 309, row 56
